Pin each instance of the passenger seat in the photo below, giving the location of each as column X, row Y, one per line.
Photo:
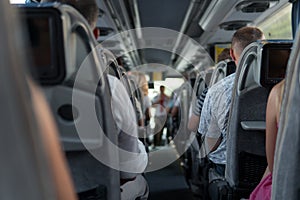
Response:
column 262, row 65
column 223, row 69
column 286, row 171
column 71, row 46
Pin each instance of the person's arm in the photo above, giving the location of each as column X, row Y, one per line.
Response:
column 209, row 121
column 155, row 100
column 147, row 114
column 196, row 113
column 267, row 171
column 211, row 144
column 271, row 125
column 58, row 165
column 193, row 123
column 174, row 111
column 213, row 136
column 206, row 125
column 147, row 106
column 195, row 117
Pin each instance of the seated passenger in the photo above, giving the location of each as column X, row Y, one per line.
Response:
column 263, row 189
column 133, row 185
column 198, row 103
column 143, row 86
column 215, row 111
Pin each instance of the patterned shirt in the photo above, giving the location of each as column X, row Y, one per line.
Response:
column 214, row 116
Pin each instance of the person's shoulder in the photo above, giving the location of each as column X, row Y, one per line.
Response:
column 228, row 79
column 221, row 85
column 111, row 79
column 277, row 90
column 116, row 85
column 279, row 85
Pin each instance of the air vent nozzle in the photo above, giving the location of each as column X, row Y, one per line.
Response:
column 233, row 25
column 255, row 6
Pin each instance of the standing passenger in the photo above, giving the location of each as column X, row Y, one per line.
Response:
column 160, row 102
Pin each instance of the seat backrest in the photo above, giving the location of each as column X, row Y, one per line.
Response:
column 199, row 85
column 71, row 45
column 182, row 139
column 286, row 170
column 246, row 161
column 112, row 68
column 223, row 68
column 26, row 170
column 208, row 74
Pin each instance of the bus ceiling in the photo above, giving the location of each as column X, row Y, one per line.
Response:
column 199, row 24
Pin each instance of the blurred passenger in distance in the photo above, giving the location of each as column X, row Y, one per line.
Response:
column 143, row 86
column 160, row 103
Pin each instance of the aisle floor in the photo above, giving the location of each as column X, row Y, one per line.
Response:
column 168, row 183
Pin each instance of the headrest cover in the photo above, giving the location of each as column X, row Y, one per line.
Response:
column 274, row 59
column 46, row 45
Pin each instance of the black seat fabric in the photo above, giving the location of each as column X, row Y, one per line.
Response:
column 75, row 43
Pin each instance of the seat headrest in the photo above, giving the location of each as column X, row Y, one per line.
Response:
column 46, row 45
column 263, row 63
column 58, row 34
column 223, row 68
column 200, row 85
column 274, row 60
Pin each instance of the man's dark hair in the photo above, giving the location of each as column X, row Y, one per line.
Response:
column 88, row 8
column 244, row 36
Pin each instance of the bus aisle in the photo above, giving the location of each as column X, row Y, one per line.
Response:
column 169, row 182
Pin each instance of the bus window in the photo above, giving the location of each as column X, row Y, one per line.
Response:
column 279, row 25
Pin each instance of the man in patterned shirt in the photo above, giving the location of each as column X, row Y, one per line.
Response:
column 215, row 111
column 198, row 103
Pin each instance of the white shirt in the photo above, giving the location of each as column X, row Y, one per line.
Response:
column 133, row 156
column 160, row 110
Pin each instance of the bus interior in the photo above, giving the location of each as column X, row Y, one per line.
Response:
column 60, row 131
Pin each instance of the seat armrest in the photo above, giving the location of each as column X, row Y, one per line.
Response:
column 254, row 125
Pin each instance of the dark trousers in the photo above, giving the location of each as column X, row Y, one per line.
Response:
column 160, row 123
